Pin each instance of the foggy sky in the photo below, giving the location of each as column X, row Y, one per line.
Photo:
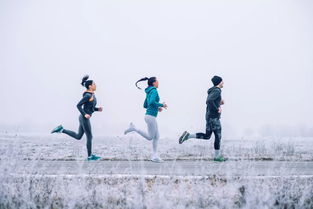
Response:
column 262, row 49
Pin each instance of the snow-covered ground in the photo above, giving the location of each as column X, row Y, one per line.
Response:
column 49, row 171
column 123, row 191
column 133, row 147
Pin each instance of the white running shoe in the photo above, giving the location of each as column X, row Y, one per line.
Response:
column 157, row 159
column 131, row 128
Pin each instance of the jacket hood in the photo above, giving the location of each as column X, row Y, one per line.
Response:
column 149, row 89
column 214, row 88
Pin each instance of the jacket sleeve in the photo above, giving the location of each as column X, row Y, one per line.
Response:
column 96, row 108
column 153, row 99
column 145, row 104
column 212, row 97
column 82, row 102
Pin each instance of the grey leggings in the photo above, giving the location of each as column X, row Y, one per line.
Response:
column 84, row 127
column 153, row 131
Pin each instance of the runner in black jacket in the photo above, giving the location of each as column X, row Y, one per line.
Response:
column 86, row 106
column 213, row 114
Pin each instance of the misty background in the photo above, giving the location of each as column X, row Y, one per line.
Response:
column 262, row 49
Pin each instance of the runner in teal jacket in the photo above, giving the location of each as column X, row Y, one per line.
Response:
column 153, row 106
column 152, row 101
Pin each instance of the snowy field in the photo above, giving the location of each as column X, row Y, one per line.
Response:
column 50, row 171
column 133, row 147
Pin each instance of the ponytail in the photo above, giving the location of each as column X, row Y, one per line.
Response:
column 150, row 80
column 85, row 82
column 85, row 78
column 143, row 79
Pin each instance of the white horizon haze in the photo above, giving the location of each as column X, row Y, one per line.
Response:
column 263, row 50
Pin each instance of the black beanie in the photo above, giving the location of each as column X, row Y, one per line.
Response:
column 216, row 80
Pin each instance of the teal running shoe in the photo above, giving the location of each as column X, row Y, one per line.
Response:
column 58, row 129
column 93, row 158
column 220, row 159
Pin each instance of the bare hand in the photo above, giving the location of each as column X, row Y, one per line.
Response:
column 87, row 116
column 222, row 102
column 160, row 109
column 165, row 105
column 219, row 110
column 100, row 109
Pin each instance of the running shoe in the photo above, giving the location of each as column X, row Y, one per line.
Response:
column 184, row 137
column 93, row 158
column 220, row 159
column 157, row 160
column 58, row 129
column 131, row 128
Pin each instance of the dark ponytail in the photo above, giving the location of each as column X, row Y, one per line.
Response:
column 85, row 78
column 85, row 82
column 150, row 81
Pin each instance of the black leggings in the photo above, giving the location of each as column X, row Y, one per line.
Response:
column 213, row 125
column 84, row 127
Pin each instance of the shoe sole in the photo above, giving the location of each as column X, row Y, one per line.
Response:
column 156, row 161
column 94, row 159
column 219, row 161
column 180, row 141
column 127, row 132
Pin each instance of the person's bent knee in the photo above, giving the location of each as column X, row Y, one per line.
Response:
column 207, row 136
column 79, row 137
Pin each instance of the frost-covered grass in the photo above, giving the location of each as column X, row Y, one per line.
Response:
column 82, row 190
column 133, row 147
column 154, row 192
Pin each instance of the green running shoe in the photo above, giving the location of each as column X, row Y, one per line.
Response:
column 220, row 159
column 93, row 158
column 58, row 129
column 184, row 137
column 96, row 157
